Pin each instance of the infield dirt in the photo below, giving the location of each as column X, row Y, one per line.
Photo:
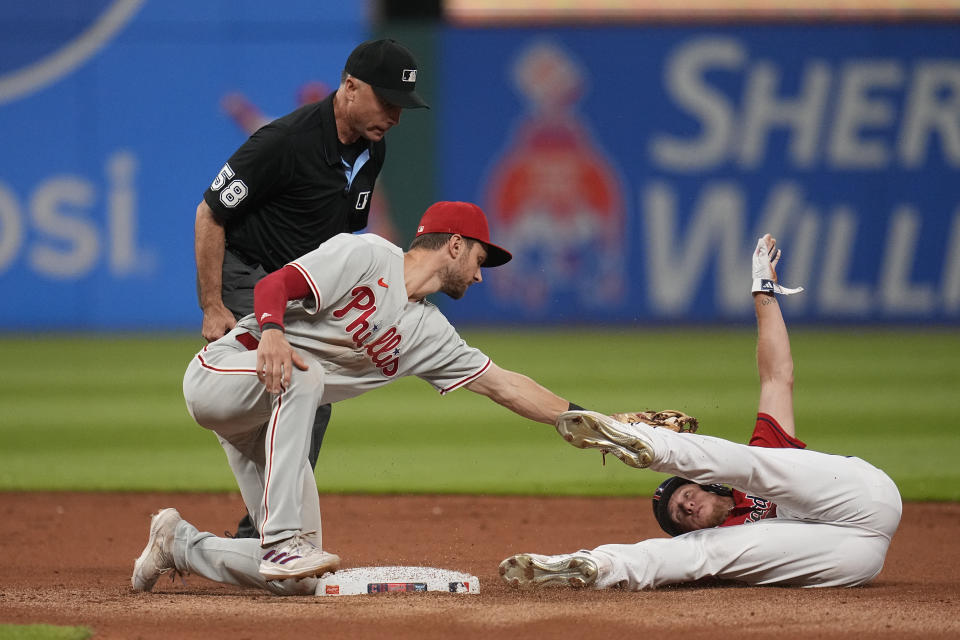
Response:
column 67, row 558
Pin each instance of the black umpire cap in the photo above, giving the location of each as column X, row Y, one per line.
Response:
column 390, row 68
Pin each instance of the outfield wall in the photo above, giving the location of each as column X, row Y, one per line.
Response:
column 629, row 168
column 632, row 168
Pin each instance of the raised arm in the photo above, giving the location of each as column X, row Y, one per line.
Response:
column 209, row 246
column 774, row 360
column 520, row 394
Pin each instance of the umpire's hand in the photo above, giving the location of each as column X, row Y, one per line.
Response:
column 217, row 322
column 275, row 361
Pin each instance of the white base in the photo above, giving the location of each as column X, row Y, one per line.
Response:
column 366, row 580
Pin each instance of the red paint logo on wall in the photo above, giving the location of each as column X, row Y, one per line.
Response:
column 384, row 352
column 555, row 196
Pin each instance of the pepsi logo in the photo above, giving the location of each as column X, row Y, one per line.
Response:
column 28, row 68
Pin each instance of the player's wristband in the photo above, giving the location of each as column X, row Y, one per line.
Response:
column 575, row 407
column 763, row 285
column 271, row 325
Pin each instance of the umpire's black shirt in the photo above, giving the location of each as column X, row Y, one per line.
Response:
column 284, row 191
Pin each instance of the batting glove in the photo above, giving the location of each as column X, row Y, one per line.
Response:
column 765, row 269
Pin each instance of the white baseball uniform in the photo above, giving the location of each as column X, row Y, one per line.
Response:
column 356, row 332
column 835, row 517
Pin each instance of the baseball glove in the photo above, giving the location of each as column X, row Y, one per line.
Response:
column 668, row 419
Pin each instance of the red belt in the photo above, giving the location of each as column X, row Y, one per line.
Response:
column 246, row 339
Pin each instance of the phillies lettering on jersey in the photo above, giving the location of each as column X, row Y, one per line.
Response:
column 384, row 352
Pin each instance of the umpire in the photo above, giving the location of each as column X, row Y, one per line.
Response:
column 296, row 182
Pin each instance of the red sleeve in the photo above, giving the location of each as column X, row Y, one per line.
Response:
column 768, row 433
column 272, row 293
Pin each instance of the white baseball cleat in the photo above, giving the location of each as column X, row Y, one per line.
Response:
column 528, row 570
column 157, row 556
column 591, row 430
column 297, row 557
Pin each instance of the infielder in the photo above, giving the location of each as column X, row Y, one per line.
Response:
column 297, row 182
column 802, row 518
column 343, row 319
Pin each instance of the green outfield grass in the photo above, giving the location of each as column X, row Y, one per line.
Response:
column 43, row 632
column 97, row 413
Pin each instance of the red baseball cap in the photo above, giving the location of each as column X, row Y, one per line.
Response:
column 468, row 220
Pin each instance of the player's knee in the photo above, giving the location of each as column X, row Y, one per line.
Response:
column 307, row 382
column 192, row 394
column 857, row 564
column 222, row 413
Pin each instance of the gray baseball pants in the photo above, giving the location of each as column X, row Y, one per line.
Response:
column 230, row 561
column 265, row 436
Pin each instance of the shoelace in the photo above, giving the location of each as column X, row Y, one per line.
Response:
column 298, row 545
column 304, row 544
column 174, row 574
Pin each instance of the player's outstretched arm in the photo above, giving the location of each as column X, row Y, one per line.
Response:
column 209, row 247
column 520, row 394
column 774, row 360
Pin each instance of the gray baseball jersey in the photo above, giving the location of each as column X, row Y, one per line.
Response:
column 363, row 329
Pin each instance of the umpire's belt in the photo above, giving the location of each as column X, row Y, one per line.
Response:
column 242, row 257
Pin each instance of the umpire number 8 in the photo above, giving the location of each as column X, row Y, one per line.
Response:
column 233, row 194
column 235, row 191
